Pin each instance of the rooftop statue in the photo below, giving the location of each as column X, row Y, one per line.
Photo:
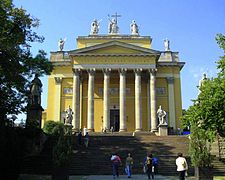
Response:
column 204, row 78
column 35, row 90
column 134, row 28
column 162, row 116
column 95, row 27
column 167, row 45
column 113, row 27
column 61, row 44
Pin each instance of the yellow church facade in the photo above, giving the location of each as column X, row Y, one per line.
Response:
column 115, row 81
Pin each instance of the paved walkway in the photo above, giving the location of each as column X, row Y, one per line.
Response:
column 109, row 177
column 124, row 177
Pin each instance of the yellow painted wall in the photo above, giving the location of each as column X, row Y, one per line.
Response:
column 44, row 118
column 62, row 70
column 85, row 42
column 51, row 98
column 114, row 50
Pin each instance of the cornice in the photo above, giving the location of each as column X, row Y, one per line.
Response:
column 166, row 64
column 115, row 55
column 61, row 63
column 114, row 37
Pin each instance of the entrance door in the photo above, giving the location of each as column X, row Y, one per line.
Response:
column 115, row 119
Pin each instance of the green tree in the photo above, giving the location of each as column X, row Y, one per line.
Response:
column 17, row 65
column 207, row 115
column 212, row 97
column 208, row 109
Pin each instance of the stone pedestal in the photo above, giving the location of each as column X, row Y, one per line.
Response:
column 34, row 116
column 163, row 130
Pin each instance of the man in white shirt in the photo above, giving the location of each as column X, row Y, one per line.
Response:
column 182, row 166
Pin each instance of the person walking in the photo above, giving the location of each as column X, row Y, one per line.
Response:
column 155, row 165
column 79, row 138
column 148, row 164
column 86, row 140
column 129, row 164
column 182, row 166
column 116, row 161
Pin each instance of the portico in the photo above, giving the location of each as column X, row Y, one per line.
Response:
column 106, row 99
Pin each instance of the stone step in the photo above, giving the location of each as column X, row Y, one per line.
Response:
column 138, row 145
column 96, row 158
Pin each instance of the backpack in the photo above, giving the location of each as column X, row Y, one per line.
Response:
column 154, row 161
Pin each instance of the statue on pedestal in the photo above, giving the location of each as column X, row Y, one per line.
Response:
column 69, row 116
column 162, row 116
column 34, row 109
column 134, row 28
column 35, row 90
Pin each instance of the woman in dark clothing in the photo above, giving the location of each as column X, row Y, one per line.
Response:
column 148, row 165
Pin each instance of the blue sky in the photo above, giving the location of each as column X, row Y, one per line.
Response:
column 190, row 25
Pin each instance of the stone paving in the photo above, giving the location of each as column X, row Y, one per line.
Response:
column 110, row 177
column 124, row 177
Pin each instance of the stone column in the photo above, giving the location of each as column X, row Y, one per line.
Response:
column 154, row 119
column 106, row 113
column 57, row 104
column 90, row 115
column 76, row 99
column 148, row 106
column 138, row 108
column 123, row 124
column 81, row 101
column 171, row 99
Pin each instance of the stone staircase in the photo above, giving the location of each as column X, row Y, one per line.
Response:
column 218, row 148
column 96, row 158
column 221, row 146
column 218, row 152
column 218, row 167
column 39, row 163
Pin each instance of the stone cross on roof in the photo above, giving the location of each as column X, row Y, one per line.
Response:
column 116, row 16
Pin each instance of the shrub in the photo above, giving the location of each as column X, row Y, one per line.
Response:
column 53, row 128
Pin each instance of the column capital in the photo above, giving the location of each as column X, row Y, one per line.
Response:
column 170, row 80
column 138, row 71
column 153, row 71
column 122, row 71
column 76, row 71
column 91, row 71
column 107, row 71
column 58, row 80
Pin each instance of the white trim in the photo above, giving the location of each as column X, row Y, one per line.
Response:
column 114, row 66
column 61, row 75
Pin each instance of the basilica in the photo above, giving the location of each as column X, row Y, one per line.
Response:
column 115, row 81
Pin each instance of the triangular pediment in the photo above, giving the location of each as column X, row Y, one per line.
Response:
column 114, row 47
